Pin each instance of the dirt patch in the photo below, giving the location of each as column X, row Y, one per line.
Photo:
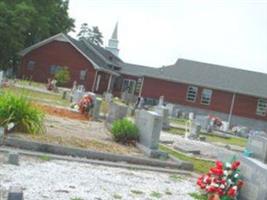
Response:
column 92, row 144
column 79, row 133
column 62, row 112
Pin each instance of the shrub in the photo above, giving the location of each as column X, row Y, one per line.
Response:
column 62, row 76
column 19, row 110
column 124, row 131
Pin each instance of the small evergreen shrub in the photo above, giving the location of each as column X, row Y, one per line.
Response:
column 19, row 110
column 62, row 76
column 124, row 131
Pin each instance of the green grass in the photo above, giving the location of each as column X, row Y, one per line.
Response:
column 45, row 157
column 176, row 178
column 138, row 192
column 168, row 192
column 76, row 198
column 179, row 121
column 18, row 109
column 232, row 140
column 117, row 196
column 238, row 141
column 198, row 196
column 31, row 83
column 156, row 194
column 39, row 96
column 177, row 131
column 200, row 166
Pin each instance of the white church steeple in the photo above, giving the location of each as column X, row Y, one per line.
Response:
column 114, row 42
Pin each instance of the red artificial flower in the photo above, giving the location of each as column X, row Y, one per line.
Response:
column 219, row 164
column 216, row 171
column 220, row 191
column 240, row 183
column 211, row 189
column 235, row 165
column 231, row 192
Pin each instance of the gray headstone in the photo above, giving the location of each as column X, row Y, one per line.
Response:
column 149, row 125
column 171, row 108
column 108, row 97
column 257, row 144
column 96, row 108
column 164, row 112
column 13, row 158
column 194, row 131
column 15, row 193
column 116, row 111
column 77, row 96
column 254, row 173
column 161, row 101
column 2, row 133
column 1, row 77
column 202, row 120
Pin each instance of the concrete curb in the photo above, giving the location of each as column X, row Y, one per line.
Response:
column 82, row 153
column 96, row 162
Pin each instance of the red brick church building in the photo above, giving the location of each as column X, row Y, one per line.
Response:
column 235, row 95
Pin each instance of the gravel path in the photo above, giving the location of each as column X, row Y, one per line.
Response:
column 62, row 180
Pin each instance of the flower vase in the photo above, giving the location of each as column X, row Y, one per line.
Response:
column 213, row 196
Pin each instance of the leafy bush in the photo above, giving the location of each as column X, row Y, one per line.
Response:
column 19, row 110
column 124, row 131
column 62, row 76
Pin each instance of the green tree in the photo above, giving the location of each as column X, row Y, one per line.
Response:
column 92, row 35
column 25, row 22
column 62, row 76
column 14, row 21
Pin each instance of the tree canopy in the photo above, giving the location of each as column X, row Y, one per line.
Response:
column 91, row 34
column 26, row 22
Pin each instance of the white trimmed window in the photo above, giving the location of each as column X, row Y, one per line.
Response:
column 261, row 107
column 191, row 93
column 206, row 96
column 83, row 75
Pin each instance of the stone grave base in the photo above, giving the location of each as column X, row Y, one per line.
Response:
column 153, row 153
column 186, row 149
column 255, row 176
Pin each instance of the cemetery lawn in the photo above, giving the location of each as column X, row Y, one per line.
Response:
column 179, row 121
column 238, row 141
column 51, row 98
column 200, row 166
column 32, row 83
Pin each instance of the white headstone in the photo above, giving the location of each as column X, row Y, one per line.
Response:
column 161, row 101
column 108, row 97
column 1, row 77
column 164, row 112
column 116, row 111
column 202, row 120
column 149, row 125
column 191, row 116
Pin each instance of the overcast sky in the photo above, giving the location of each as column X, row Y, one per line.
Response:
column 158, row 32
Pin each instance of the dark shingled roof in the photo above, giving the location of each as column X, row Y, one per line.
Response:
column 139, row 70
column 217, row 77
column 101, row 56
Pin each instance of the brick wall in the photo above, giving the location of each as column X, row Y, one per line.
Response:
column 57, row 53
column 244, row 106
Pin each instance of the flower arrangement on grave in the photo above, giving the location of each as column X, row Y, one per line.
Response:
column 222, row 182
column 85, row 104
